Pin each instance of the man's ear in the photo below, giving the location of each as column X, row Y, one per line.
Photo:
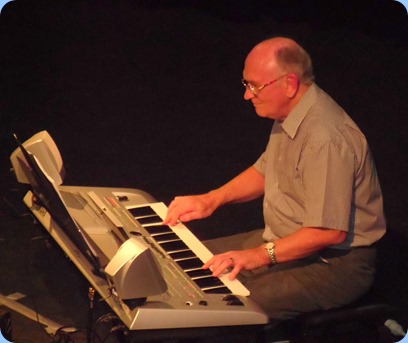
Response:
column 292, row 85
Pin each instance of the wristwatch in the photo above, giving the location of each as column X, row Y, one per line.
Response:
column 270, row 249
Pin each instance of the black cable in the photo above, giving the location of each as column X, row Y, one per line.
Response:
column 91, row 297
column 64, row 333
column 114, row 330
column 106, row 318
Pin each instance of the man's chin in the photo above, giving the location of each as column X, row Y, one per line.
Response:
column 261, row 114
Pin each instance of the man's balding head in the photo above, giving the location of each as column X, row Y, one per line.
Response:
column 284, row 54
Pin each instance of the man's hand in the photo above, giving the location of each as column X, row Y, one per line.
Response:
column 246, row 186
column 186, row 208
column 235, row 261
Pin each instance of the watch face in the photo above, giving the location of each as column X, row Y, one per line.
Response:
column 270, row 245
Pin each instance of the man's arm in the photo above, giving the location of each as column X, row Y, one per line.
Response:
column 246, row 186
column 297, row 245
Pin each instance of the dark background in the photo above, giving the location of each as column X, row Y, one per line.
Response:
column 147, row 94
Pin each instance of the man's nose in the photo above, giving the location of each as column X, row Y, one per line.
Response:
column 248, row 94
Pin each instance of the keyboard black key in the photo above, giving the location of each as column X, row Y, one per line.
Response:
column 219, row 290
column 155, row 229
column 149, row 220
column 208, row 282
column 166, row 237
column 182, row 255
column 198, row 273
column 193, row 263
column 142, row 211
column 174, row 246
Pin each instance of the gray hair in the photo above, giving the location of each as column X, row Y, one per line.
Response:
column 294, row 59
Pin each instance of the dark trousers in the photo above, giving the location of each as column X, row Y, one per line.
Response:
column 329, row 279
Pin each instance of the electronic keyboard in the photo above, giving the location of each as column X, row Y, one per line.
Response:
column 110, row 217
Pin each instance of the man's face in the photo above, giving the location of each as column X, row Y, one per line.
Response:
column 269, row 90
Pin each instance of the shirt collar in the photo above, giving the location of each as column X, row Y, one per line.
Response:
column 292, row 122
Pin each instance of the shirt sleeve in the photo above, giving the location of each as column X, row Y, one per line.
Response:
column 327, row 177
column 260, row 164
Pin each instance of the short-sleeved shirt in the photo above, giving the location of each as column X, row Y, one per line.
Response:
column 319, row 172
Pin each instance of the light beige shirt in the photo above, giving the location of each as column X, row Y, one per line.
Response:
column 319, row 172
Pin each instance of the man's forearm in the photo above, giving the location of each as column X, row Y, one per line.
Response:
column 246, row 186
column 306, row 241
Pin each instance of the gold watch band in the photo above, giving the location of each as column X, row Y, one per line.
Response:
column 270, row 249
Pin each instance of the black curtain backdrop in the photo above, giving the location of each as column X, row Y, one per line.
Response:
column 147, row 94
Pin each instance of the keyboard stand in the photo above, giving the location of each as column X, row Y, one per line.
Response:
column 11, row 301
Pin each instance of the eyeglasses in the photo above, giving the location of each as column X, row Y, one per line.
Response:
column 256, row 90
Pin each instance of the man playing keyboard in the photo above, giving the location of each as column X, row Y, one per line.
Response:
column 322, row 200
